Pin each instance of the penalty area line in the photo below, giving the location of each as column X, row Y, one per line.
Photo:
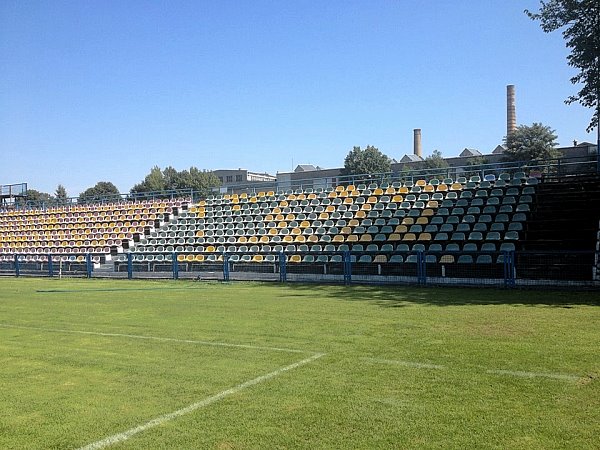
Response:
column 395, row 362
column 156, row 338
column 120, row 437
column 517, row 373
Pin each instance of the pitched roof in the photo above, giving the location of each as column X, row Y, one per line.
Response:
column 411, row 157
column 305, row 168
column 470, row 152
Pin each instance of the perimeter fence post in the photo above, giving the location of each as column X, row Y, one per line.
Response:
column 225, row 267
column 421, row 268
column 175, row 265
column 282, row 267
column 129, row 266
column 347, row 267
column 88, row 265
column 17, row 269
column 50, row 266
column 509, row 268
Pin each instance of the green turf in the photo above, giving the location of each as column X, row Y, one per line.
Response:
column 403, row 367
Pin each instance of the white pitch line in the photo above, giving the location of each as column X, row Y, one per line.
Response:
column 417, row 365
column 120, row 437
column 516, row 373
column 156, row 338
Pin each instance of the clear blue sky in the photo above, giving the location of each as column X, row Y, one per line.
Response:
column 104, row 90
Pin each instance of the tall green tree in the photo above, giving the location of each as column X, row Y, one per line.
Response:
column 37, row 196
column 531, row 143
column 367, row 161
column 580, row 21
column 61, row 194
column 435, row 161
column 158, row 180
column 475, row 164
column 101, row 189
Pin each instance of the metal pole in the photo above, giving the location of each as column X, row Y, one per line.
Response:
column 282, row 268
column 88, row 265
column 225, row 267
column 129, row 266
column 175, row 263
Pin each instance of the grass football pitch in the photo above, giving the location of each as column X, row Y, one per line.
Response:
column 162, row 364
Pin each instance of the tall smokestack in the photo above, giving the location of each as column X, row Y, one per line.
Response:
column 511, row 115
column 417, row 142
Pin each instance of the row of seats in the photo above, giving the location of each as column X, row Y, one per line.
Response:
column 328, row 248
column 103, row 229
column 475, row 213
column 96, row 257
column 120, row 208
column 372, row 198
column 481, row 216
column 434, row 185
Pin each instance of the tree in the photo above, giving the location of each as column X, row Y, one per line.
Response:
column 37, row 196
column 367, row 161
column 201, row 181
column 435, row 161
column 534, row 143
column 475, row 165
column 581, row 22
column 101, row 189
column 61, row 194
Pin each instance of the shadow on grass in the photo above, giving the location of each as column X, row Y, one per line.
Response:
column 401, row 296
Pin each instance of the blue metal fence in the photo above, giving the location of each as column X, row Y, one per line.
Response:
column 506, row 268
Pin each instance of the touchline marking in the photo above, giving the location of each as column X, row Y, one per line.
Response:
column 156, row 338
column 120, row 437
column 414, row 364
column 516, row 373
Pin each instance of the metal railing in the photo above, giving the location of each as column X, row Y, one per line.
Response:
column 559, row 167
column 501, row 268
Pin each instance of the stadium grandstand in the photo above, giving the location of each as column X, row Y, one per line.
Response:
column 509, row 225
